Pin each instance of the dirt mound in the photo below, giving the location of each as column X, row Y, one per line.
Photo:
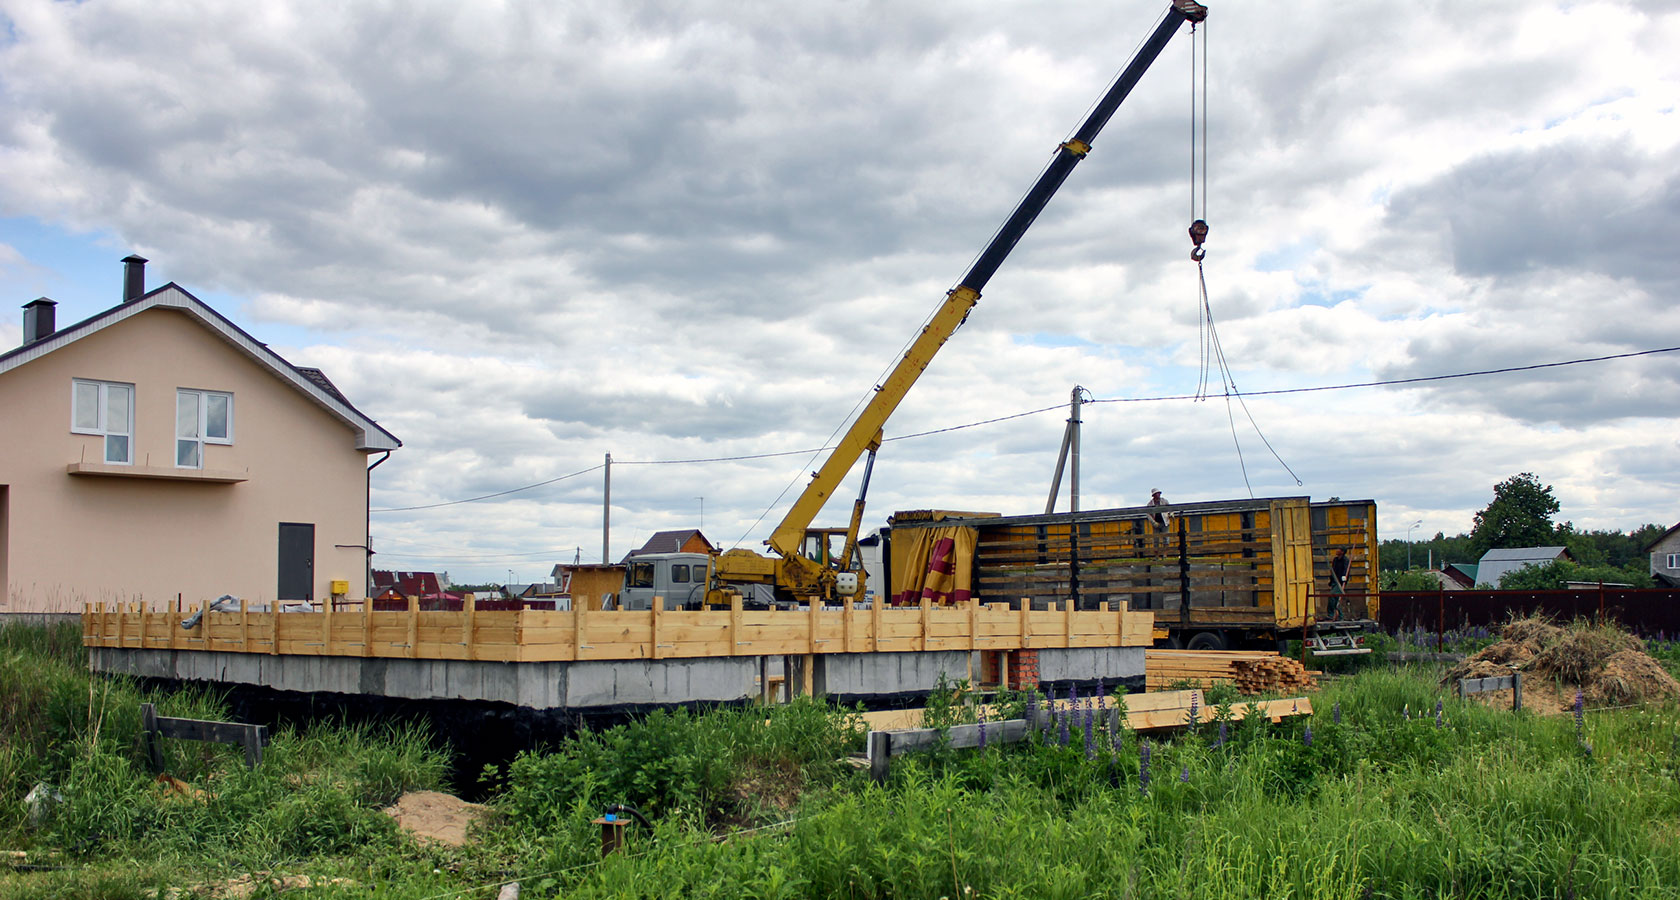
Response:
column 432, row 816
column 1606, row 664
column 1630, row 676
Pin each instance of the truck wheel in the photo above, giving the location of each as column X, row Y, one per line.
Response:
column 1207, row 640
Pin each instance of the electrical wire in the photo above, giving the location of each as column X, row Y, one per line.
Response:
column 1164, row 398
column 516, row 490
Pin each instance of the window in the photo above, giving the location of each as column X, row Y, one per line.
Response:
column 201, row 417
column 1673, row 561
column 679, row 574
column 106, row 409
column 640, row 576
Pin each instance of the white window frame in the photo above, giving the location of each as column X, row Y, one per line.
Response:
column 102, row 427
column 202, row 399
column 1673, row 561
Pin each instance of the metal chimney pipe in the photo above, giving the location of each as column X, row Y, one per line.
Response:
column 38, row 315
column 134, row 278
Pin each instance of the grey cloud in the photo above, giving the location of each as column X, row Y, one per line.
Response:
column 1597, row 207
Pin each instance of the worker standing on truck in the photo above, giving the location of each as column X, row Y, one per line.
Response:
column 1339, row 566
column 1155, row 499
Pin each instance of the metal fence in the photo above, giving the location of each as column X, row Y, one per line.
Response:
column 1651, row 612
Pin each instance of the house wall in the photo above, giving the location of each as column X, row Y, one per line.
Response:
column 1659, row 556
column 71, row 539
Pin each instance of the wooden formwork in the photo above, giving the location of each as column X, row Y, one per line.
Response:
column 352, row 629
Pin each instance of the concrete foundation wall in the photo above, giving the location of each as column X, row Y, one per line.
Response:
column 553, row 685
column 1090, row 664
column 875, row 674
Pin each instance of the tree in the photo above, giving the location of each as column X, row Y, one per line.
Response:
column 1556, row 574
column 1519, row 516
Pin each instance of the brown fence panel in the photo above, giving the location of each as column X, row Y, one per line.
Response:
column 1649, row 612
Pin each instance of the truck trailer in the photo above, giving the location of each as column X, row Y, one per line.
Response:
column 1218, row 575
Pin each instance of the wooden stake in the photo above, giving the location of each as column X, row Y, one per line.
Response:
column 1026, row 622
column 579, row 622
column 735, row 626
column 471, row 614
column 846, row 610
column 926, row 608
column 656, row 652
column 413, row 625
column 367, row 627
column 875, row 623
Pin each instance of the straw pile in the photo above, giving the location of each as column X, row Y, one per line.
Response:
column 1607, row 665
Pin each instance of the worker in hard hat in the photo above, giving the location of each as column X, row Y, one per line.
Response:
column 1155, row 499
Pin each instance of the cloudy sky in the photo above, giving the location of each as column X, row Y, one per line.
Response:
column 525, row 235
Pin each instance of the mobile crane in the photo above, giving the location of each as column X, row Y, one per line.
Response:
column 804, row 569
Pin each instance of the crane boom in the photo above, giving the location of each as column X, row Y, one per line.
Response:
column 804, row 576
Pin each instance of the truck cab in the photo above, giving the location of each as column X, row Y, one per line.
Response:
column 678, row 578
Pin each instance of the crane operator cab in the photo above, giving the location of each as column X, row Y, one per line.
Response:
column 827, row 547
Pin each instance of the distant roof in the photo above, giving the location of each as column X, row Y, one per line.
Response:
column 1495, row 563
column 409, row 584
column 668, row 542
column 1463, row 573
column 316, row 386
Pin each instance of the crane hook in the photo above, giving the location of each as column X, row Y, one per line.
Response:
column 1198, row 234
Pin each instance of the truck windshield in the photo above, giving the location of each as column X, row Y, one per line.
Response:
column 640, row 575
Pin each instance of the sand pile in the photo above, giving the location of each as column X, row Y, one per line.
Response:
column 433, row 816
column 1607, row 665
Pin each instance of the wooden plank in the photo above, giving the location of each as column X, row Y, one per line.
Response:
column 654, row 613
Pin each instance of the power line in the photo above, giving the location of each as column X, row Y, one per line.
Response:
column 1044, row 409
column 491, row 496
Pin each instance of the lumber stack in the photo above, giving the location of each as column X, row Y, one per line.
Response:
column 1253, row 672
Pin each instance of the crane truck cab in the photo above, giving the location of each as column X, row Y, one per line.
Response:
column 680, row 580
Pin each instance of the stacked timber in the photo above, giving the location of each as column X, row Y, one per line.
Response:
column 1253, row 672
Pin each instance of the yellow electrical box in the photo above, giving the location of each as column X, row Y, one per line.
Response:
column 340, row 586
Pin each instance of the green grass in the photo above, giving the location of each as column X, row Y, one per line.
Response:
column 1389, row 802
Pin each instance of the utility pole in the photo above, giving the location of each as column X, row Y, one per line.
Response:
column 702, row 511
column 1070, row 448
column 606, row 514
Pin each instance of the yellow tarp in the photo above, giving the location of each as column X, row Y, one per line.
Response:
column 936, row 563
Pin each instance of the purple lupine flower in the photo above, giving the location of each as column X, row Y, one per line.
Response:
column 1062, row 725
column 1580, row 717
column 1090, row 735
column 1073, row 694
column 1336, row 713
column 1306, row 736
column 1143, row 768
column 1439, row 722
column 982, row 723
column 1408, row 712
column 1102, row 697
column 1193, row 697
column 1223, row 732
column 1184, row 776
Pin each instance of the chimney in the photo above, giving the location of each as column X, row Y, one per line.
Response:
column 38, row 320
column 134, row 278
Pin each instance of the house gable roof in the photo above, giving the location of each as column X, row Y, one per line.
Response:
column 668, row 542
column 309, row 382
column 1495, row 563
column 1663, row 537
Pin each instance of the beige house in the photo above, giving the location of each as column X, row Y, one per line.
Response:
column 156, row 452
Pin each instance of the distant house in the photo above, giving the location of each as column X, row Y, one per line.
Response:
column 685, row 541
column 1495, row 563
column 1665, row 557
column 402, row 585
column 155, row 451
column 1461, row 574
